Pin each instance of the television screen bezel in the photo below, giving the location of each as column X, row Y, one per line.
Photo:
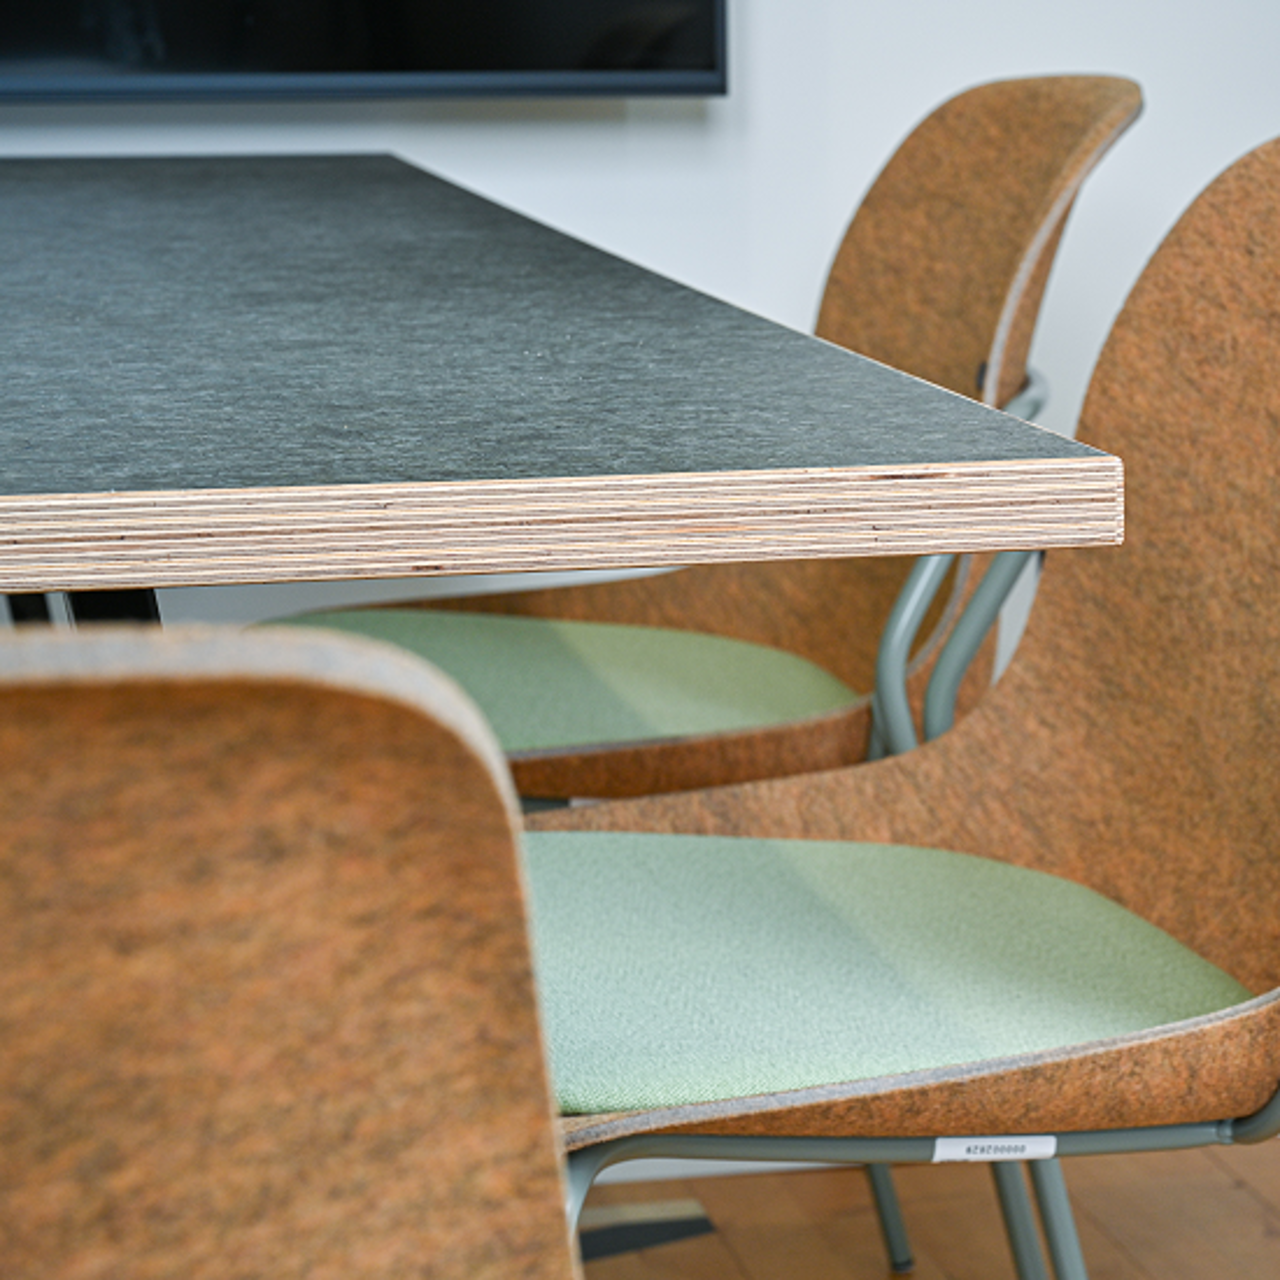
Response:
column 328, row 85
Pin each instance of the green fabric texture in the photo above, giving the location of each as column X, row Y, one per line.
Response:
column 543, row 683
column 682, row 969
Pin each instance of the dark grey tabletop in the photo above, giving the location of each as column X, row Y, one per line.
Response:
column 271, row 334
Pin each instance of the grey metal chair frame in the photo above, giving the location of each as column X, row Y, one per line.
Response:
column 893, row 727
column 1047, row 1183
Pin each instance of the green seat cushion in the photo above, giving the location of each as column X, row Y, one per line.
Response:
column 548, row 684
column 682, row 969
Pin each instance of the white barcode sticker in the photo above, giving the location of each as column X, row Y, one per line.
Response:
column 987, row 1149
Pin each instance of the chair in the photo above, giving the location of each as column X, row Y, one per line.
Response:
column 1098, row 967
column 722, row 673
column 265, row 991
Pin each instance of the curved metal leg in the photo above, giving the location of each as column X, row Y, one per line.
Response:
column 877, row 748
column 1059, row 1222
column 1019, row 1221
column 894, row 726
column 583, row 1167
column 581, row 1170
column 892, row 1226
column 966, row 638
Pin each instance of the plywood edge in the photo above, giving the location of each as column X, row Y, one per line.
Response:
column 206, row 537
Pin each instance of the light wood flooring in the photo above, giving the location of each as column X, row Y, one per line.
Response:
column 1211, row 1214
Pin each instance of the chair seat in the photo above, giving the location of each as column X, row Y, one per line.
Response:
column 683, row 969
column 546, row 684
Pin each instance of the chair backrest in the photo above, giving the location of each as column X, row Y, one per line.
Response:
column 1145, row 710
column 944, row 265
column 942, row 272
column 1132, row 744
column 265, row 995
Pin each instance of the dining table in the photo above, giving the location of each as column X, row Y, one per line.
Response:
column 309, row 368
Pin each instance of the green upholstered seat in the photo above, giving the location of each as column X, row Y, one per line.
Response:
column 551, row 684
column 680, row 969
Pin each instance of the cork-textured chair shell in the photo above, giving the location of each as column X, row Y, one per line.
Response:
column 264, row 986
column 1130, row 747
column 941, row 273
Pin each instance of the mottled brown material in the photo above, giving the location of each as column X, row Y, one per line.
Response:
column 1131, row 745
column 1230, row 1059
column 679, row 764
column 940, row 273
column 265, row 999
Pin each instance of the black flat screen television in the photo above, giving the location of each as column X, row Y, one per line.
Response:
column 67, row 50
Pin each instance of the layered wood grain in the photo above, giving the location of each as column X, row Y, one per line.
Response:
column 183, row 538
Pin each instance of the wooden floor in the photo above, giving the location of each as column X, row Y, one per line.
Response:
column 1211, row 1214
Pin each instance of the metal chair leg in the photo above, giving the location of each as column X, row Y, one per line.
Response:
column 582, row 1168
column 894, row 725
column 1059, row 1222
column 1019, row 1221
column 892, row 1226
